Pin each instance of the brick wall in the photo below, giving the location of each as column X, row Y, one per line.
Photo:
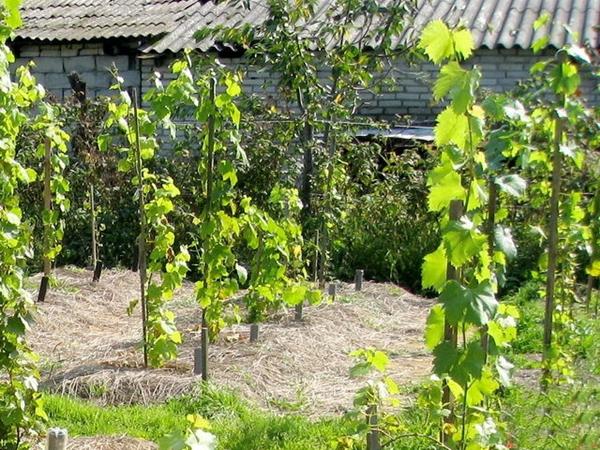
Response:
column 54, row 62
column 502, row 69
column 411, row 95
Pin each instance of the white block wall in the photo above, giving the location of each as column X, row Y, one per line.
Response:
column 411, row 96
column 54, row 62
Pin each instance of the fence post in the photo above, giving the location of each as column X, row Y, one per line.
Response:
column 332, row 290
column 358, row 279
column 198, row 361
column 373, row 433
column 57, row 439
column 254, row 332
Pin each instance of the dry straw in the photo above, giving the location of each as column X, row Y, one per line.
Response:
column 90, row 347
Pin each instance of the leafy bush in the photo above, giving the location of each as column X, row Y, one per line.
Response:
column 387, row 229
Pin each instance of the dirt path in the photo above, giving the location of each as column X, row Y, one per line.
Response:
column 90, row 347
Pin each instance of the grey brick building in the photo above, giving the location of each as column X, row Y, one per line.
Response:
column 143, row 36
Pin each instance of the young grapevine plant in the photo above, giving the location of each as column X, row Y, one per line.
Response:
column 20, row 404
column 162, row 270
column 558, row 154
column 225, row 221
column 467, row 328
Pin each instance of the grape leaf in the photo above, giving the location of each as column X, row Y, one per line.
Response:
column 475, row 305
column 446, row 186
column 463, row 241
column 451, row 128
column 434, row 269
column 436, row 41
column 463, row 43
column 434, row 329
column 512, row 184
column 504, row 241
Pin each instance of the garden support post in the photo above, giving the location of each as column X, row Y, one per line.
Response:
column 143, row 225
column 299, row 312
column 332, row 290
column 93, row 220
column 254, row 332
column 450, row 335
column 373, row 433
column 358, row 280
column 57, row 439
column 204, row 349
column 595, row 217
column 491, row 224
column 198, row 370
column 47, row 195
column 552, row 248
column 96, row 264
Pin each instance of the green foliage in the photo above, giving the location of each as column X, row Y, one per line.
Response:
column 467, row 329
column 224, row 220
column 195, row 438
column 384, row 227
column 166, row 268
column 21, row 409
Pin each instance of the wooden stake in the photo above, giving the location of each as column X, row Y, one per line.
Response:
column 198, row 370
column 299, row 311
column 491, row 225
column 210, row 162
column 47, row 195
column 93, row 220
column 594, row 238
column 552, row 249
column 204, row 348
column 373, row 433
column 143, row 226
column 254, row 332
column 358, row 279
column 332, row 290
column 450, row 335
column 97, row 271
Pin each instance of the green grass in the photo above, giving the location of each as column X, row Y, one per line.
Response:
column 237, row 424
column 530, row 327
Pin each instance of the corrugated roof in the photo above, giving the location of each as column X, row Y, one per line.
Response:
column 494, row 23
column 169, row 25
column 509, row 23
column 78, row 20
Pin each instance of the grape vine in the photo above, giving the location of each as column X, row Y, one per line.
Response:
column 468, row 327
column 20, row 404
column 161, row 269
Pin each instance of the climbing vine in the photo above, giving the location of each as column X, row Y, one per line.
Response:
column 20, row 405
column 224, row 220
column 467, row 329
column 161, row 269
column 557, row 113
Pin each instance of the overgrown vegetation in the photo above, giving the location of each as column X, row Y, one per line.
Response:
column 269, row 201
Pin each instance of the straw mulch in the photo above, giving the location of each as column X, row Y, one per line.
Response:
column 90, row 347
column 103, row 443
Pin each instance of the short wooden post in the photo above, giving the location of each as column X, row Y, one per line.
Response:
column 97, row 271
column 43, row 288
column 57, row 439
column 358, row 279
column 254, row 332
column 373, row 433
column 204, row 353
column 299, row 312
column 332, row 290
column 198, row 361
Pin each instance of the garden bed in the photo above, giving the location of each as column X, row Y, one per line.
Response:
column 90, row 347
